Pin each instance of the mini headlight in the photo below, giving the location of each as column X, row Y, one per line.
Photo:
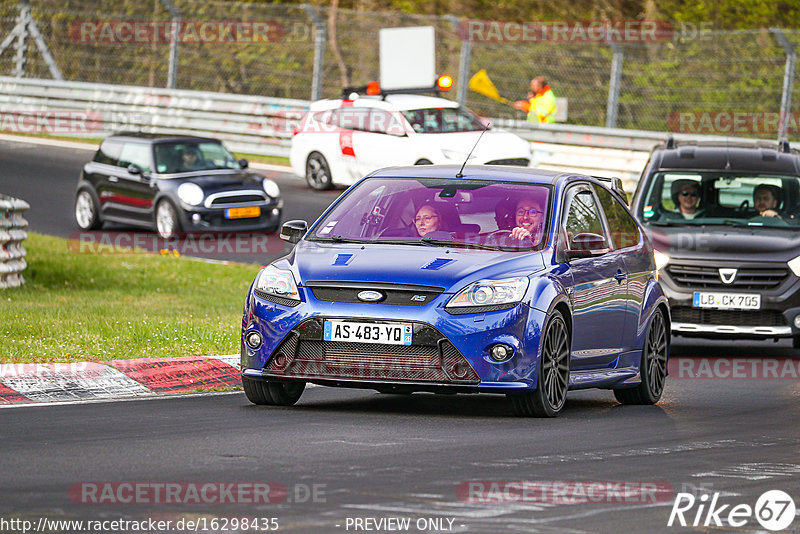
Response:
column 490, row 293
column 271, row 188
column 794, row 265
column 661, row 260
column 190, row 194
column 277, row 282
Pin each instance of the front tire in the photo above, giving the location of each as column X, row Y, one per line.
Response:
column 796, row 342
column 87, row 213
column 272, row 393
column 550, row 395
column 168, row 224
column 318, row 172
column 653, row 367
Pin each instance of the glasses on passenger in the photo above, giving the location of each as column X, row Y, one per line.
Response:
column 689, row 194
column 522, row 213
column 425, row 218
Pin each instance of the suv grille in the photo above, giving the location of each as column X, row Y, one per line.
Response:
column 685, row 314
column 238, row 199
column 696, row 276
column 432, row 359
column 521, row 162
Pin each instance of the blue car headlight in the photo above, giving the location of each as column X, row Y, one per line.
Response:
column 490, row 293
column 277, row 282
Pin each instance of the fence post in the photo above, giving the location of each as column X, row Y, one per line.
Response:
column 21, row 47
column 320, row 38
column 172, row 72
column 788, row 80
column 463, row 63
column 614, row 86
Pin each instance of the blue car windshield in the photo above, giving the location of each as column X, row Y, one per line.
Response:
column 440, row 212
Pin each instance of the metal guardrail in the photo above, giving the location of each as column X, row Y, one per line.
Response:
column 264, row 126
column 12, row 234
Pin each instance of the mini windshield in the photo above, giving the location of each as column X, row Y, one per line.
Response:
column 442, row 120
column 187, row 157
column 722, row 198
column 440, row 212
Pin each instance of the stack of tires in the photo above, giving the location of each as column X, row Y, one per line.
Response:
column 12, row 234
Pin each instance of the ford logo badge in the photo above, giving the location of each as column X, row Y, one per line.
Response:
column 370, row 296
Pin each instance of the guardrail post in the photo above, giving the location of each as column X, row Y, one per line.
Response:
column 614, row 86
column 788, row 80
column 463, row 63
column 12, row 234
column 172, row 72
column 320, row 38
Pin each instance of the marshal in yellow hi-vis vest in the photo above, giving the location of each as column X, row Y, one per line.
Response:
column 541, row 103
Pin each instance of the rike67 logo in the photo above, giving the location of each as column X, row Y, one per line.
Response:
column 774, row 510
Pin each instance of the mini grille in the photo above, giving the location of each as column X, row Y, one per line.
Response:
column 238, row 199
column 703, row 277
column 520, row 162
column 684, row 314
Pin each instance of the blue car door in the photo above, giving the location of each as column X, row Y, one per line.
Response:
column 599, row 284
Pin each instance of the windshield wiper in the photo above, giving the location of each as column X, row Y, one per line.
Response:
column 340, row 239
column 669, row 223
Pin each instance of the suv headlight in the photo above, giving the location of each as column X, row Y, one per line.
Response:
column 794, row 265
column 190, row 194
column 277, row 282
column 271, row 188
column 490, row 293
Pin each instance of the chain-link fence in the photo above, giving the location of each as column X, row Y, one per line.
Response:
column 689, row 80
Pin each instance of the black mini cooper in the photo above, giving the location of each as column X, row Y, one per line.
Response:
column 174, row 184
column 724, row 218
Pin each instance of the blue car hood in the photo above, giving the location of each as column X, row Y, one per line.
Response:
column 450, row 268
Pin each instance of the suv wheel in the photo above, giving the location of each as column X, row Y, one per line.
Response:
column 86, row 211
column 168, row 224
column 318, row 173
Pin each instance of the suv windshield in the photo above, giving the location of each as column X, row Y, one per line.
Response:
column 442, row 120
column 722, row 198
column 440, row 212
column 187, row 157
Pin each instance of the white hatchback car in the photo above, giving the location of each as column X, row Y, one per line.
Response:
column 341, row 140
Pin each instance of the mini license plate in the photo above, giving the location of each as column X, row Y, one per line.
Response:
column 727, row 301
column 391, row 334
column 246, row 212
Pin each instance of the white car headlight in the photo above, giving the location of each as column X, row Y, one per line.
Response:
column 271, row 188
column 794, row 265
column 661, row 260
column 455, row 155
column 277, row 282
column 490, row 293
column 190, row 194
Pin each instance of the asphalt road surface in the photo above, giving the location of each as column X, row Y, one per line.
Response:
column 357, row 461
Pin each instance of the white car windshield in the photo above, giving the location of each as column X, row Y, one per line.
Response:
column 442, row 120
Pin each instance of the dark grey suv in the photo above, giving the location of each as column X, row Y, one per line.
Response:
column 174, row 184
column 724, row 218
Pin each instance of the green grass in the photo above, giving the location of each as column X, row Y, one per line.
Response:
column 94, row 307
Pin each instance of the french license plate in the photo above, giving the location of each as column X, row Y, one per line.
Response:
column 727, row 301
column 391, row 334
column 247, row 212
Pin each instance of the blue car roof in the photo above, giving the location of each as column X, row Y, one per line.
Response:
column 474, row 172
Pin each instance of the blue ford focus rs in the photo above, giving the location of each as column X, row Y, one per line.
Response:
column 502, row 280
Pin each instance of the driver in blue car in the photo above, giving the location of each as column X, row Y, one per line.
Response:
column 529, row 218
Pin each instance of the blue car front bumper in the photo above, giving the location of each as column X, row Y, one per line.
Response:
column 448, row 351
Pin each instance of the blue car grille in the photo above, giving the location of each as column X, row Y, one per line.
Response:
column 403, row 295
column 303, row 354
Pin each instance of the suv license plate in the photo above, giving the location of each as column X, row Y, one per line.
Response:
column 727, row 301
column 391, row 334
